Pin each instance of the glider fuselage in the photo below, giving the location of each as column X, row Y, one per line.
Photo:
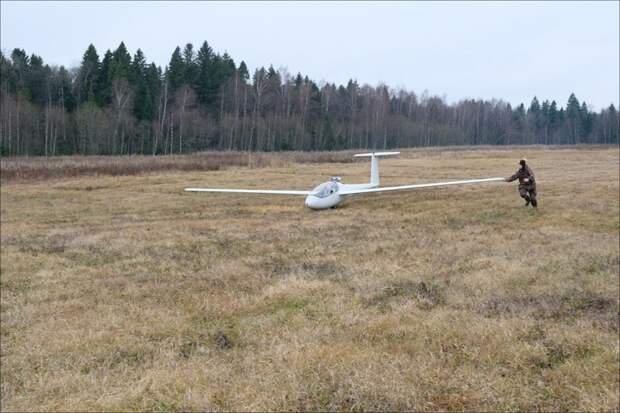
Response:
column 329, row 194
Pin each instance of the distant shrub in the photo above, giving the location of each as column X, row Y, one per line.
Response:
column 30, row 169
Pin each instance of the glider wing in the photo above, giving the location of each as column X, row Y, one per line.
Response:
column 403, row 187
column 249, row 191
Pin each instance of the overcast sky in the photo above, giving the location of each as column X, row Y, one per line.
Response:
column 510, row 50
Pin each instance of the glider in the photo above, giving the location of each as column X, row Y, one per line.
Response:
column 333, row 192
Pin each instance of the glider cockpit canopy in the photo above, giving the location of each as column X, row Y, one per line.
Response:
column 325, row 189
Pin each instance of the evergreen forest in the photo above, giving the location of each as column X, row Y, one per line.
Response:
column 117, row 103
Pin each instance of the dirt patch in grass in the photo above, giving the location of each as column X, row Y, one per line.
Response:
column 566, row 305
column 427, row 295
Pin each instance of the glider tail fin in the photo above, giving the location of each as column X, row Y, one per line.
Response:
column 374, row 164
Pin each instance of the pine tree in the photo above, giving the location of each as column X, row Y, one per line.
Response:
column 572, row 107
column 329, row 140
column 120, row 67
column 138, row 67
column 552, row 117
column 153, row 87
column 573, row 118
column 176, row 70
column 217, row 78
column 534, row 106
column 8, row 75
column 189, row 60
column 37, row 77
column 298, row 81
column 614, row 126
column 66, row 98
column 104, row 81
column 586, row 119
column 518, row 117
column 141, row 105
column 205, row 54
column 88, row 75
column 545, row 108
column 536, row 117
column 228, row 67
column 203, row 82
column 213, row 71
column 243, row 72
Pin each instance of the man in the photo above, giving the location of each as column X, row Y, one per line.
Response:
column 527, row 183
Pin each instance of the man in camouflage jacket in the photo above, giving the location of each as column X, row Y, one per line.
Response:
column 527, row 183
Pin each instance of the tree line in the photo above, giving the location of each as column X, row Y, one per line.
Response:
column 203, row 100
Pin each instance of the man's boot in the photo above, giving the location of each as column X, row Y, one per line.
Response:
column 527, row 201
column 534, row 203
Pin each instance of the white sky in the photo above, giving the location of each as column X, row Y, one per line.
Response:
column 508, row 50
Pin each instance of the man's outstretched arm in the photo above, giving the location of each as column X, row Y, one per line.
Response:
column 512, row 178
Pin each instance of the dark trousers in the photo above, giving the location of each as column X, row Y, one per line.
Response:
column 528, row 192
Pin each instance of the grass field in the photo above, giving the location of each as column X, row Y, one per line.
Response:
column 125, row 293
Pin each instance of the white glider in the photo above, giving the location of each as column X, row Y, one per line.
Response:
column 333, row 192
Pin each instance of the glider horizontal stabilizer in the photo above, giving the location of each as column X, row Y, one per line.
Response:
column 371, row 154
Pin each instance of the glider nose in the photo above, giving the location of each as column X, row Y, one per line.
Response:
column 314, row 202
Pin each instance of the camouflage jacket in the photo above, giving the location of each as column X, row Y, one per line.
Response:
column 524, row 175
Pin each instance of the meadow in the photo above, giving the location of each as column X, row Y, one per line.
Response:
column 119, row 291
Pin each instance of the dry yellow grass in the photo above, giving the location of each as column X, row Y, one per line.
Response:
column 124, row 293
